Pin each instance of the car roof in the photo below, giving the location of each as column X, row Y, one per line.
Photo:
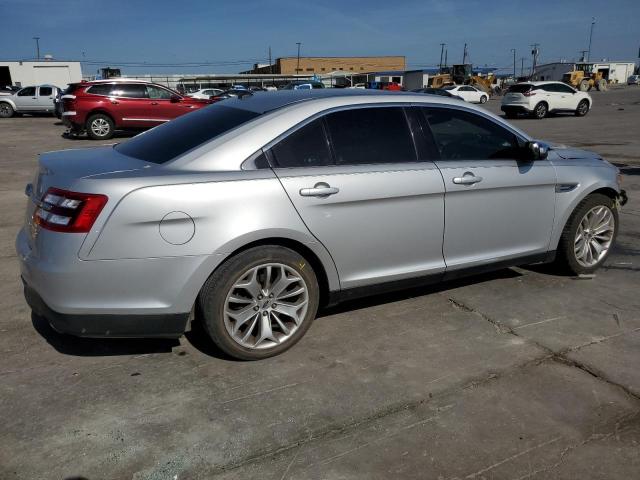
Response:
column 262, row 102
column 544, row 82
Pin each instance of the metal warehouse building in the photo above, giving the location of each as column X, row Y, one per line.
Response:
column 616, row 72
column 50, row 72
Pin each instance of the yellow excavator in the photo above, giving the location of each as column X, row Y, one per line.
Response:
column 461, row 74
column 584, row 78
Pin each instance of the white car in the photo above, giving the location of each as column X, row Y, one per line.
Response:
column 468, row 93
column 633, row 80
column 205, row 93
column 540, row 98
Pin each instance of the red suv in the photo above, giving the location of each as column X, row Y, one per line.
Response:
column 103, row 106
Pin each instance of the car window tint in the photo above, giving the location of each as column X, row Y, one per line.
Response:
column 172, row 139
column 305, row 147
column 466, row 136
column 370, row 135
column 129, row 91
column 27, row 92
column 100, row 89
column 46, row 91
column 158, row 93
column 564, row 88
column 549, row 87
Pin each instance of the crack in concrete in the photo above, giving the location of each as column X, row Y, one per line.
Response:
column 342, row 429
column 593, row 437
column 560, row 356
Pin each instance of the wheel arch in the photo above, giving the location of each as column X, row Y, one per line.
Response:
column 100, row 111
column 318, row 266
column 10, row 102
column 562, row 222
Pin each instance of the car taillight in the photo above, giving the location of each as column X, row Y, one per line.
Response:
column 530, row 93
column 64, row 211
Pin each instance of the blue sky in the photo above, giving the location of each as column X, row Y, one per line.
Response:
column 233, row 35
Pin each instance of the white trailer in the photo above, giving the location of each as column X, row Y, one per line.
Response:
column 48, row 72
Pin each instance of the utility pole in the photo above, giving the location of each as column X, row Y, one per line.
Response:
column 270, row 64
column 514, row 63
column 446, row 52
column 298, row 67
column 441, row 53
column 583, row 56
column 522, row 66
column 534, row 52
column 593, row 22
column 464, row 55
column 37, row 39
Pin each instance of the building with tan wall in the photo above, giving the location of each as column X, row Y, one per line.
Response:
column 324, row 65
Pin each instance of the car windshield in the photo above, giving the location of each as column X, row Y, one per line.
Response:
column 520, row 88
column 168, row 141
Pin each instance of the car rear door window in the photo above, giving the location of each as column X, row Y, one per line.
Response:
column 158, row 93
column 46, row 91
column 169, row 141
column 305, row 147
column 461, row 135
column 100, row 89
column 130, row 91
column 370, row 135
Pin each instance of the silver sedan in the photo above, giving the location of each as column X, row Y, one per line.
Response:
column 251, row 213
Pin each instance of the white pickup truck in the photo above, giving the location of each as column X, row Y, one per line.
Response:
column 29, row 99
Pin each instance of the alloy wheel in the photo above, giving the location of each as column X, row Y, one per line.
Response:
column 100, row 127
column 594, row 236
column 583, row 108
column 265, row 306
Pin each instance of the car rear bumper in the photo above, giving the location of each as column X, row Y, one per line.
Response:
column 111, row 298
column 515, row 109
column 114, row 326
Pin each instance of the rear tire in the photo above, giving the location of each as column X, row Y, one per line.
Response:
column 100, row 127
column 6, row 110
column 584, row 86
column 246, row 310
column 582, row 109
column 570, row 257
column 483, row 99
column 601, row 85
column 540, row 111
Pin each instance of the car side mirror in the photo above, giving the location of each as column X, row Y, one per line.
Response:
column 175, row 98
column 537, row 150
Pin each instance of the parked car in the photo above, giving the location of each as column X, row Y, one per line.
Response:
column 437, row 91
column 32, row 99
column 633, row 80
column 205, row 93
column 538, row 99
column 468, row 93
column 231, row 93
column 303, row 85
column 248, row 214
column 101, row 107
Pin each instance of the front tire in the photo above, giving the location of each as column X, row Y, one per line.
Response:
column 260, row 302
column 582, row 109
column 100, row 127
column 589, row 235
column 6, row 110
column 540, row 111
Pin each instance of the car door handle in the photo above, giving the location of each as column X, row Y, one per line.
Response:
column 115, row 102
column 467, row 179
column 154, row 103
column 319, row 190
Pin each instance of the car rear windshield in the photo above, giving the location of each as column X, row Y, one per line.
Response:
column 520, row 88
column 168, row 141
